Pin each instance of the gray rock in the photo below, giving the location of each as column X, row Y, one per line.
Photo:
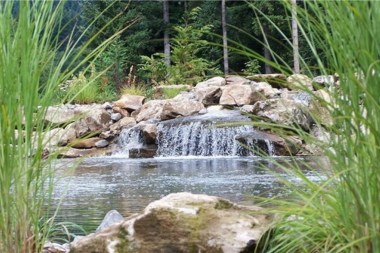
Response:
column 115, row 116
column 182, row 222
column 239, row 95
column 101, row 144
column 215, row 81
column 283, row 111
column 111, row 218
column 107, row 105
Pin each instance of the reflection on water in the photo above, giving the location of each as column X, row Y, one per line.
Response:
column 128, row 185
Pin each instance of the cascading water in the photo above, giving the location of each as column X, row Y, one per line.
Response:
column 198, row 136
column 130, row 138
column 200, row 139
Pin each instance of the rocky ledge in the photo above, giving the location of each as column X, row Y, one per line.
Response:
column 181, row 222
column 275, row 98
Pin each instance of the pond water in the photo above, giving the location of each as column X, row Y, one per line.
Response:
column 99, row 185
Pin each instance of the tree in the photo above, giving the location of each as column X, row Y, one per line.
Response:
column 225, row 46
column 166, row 32
column 295, row 36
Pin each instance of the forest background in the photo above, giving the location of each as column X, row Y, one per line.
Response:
column 137, row 59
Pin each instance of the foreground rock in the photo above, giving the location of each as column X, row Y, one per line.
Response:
column 181, row 222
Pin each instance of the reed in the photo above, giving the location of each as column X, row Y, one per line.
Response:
column 28, row 45
column 341, row 213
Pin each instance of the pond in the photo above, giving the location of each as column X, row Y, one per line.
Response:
column 99, row 185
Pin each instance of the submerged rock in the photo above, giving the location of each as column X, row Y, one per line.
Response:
column 181, row 222
column 111, row 218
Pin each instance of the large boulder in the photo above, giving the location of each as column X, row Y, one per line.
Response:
column 215, row 81
column 59, row 115
column 173, row 109
column 93, row 119
column 300, row 82
column 182, row 222
column 130, row 102
column 86, row 143
column 324, row 81
column 208, row 95
column 320, row 107
column 282, row 111
column 270, row 144
column 151, row 110
column 150, row 133
column 239, row 95
column 275, row 80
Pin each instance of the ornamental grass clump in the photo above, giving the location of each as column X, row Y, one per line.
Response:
column 28, row 44
column 341, row 213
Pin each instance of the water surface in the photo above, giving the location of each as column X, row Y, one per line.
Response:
column 128, row 185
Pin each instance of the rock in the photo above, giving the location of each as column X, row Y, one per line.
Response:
column 239, row 95
column 283, row 111
column 146, row 152
column 107, row 105
column 298, row 96
column 59, row 115
column 183, row 96
column 278, row 146
column 173, row 109
column 266, row 90
column 215, row 81
column 325, row 81
column 150, row 132
column 300, row 82
column 208, row 95
column 215, row 108
column 181, row 222
column 55, row 137
column 101, row 144
column 236, row 80
column 111, row 218
column 123, row 112
column 94, row 119
column 86, row 143
column 50, row 247
column 115, row 116
column 115, row 129
column 130, row 102
column 320, row 105
column 275, row 80
column 92, row 152
column 151, row 110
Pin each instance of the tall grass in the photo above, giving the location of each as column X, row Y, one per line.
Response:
column 341, row 214
column 28, row 44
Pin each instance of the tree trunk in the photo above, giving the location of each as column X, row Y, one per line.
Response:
column 267, row 55
column 224, row 28
column 295, row 37
column 166, row 32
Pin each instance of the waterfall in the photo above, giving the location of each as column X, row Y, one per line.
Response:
column 130, row 138
column 200, row 139
column 198, row 136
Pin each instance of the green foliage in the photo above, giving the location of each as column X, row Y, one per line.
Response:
column 153, row 68
column 188, row 66
column 251, row 67
column 28, row 46
column 342, row 212
column 172, row 92
column 83, row 90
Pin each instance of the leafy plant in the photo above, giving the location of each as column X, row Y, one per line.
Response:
column 251, row 67
column 27, row 48
column 341, row 214
column 84, row 90
column 188, row 66
column 172, row 92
